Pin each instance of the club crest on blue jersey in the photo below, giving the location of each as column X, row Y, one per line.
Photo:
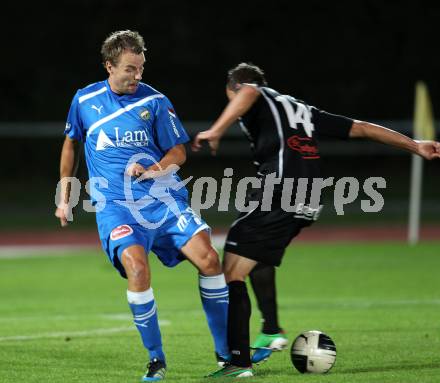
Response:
column 144, row 114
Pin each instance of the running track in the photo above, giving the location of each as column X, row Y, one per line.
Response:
column 316, row 233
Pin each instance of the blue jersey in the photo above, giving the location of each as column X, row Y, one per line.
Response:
column 114, row 128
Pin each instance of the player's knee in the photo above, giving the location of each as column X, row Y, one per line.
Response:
column 138, row 271
column 233, row 273
column 135, row 266
column 210, row 263
column 234, row 276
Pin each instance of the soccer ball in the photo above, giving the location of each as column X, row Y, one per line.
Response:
column 313, row 351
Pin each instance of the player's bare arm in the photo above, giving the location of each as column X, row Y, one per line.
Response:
column 426, row 149
column 70, row 154
column 171, row 162
column 240, row 102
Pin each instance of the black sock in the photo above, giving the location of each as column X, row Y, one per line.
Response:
column 263, row 283
column 238, row 323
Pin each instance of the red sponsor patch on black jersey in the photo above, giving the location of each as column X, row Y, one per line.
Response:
column 303, row 145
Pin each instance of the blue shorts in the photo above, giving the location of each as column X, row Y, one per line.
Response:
column 165, row 241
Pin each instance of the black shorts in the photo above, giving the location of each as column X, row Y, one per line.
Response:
column 264, row 235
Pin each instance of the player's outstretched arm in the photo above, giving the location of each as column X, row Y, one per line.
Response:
column 426, row 149
column 68, row 167
column 238, row 105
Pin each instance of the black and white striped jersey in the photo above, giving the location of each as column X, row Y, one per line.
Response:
column 284, row 134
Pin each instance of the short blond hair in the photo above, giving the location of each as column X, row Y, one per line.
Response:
column 117, row 42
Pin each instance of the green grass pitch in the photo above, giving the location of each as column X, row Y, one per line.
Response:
column 65, row 319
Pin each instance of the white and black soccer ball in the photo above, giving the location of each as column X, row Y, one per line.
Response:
column 313, row 351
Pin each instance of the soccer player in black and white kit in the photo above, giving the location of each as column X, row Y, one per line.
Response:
column 284, row 134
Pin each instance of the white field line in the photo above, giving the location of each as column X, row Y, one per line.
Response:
column 35, row 251
column 359, row 304
column 74, row 334
column 67, row 334
column 111, row 317
column 32, row 251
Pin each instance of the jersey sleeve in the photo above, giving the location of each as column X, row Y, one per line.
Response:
column 168, row 128
column 331, row 125
column 74, row 126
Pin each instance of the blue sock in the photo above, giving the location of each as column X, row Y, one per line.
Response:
column 215, row 299
column 143, row 307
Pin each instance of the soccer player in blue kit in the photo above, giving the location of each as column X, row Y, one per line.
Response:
column 131, row 134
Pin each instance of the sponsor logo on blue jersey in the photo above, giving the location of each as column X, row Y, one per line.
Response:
column 129, row 138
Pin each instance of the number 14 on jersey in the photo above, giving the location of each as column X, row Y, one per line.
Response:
column 301, row 116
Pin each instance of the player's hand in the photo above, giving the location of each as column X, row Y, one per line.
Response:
column 151, row 173
column 429, row 150
column 135, row 170
column 61, row 213
column 211, row 137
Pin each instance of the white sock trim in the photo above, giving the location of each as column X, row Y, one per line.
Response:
column 140, row 298
column 214, row 282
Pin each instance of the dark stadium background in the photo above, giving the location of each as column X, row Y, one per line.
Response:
column 357, row 58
